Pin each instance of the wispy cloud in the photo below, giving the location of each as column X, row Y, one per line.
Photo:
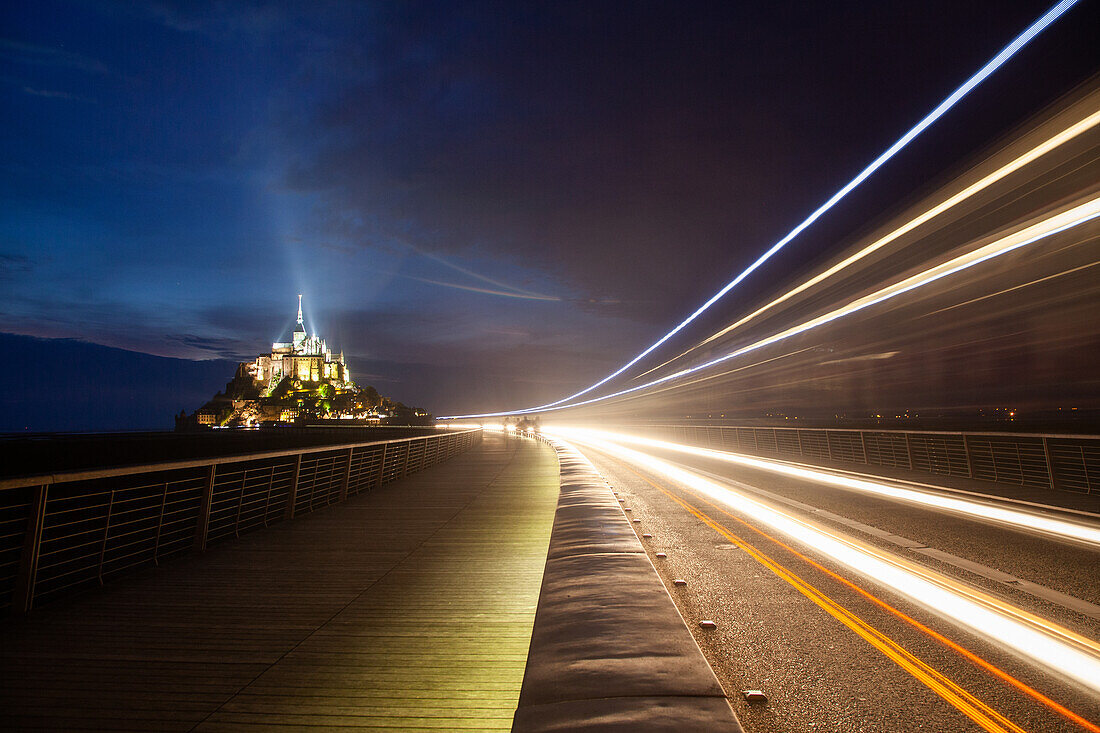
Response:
column 218, row 19
column 225, row 348
column 14, row 266
column 54, row 94
column 38, row 55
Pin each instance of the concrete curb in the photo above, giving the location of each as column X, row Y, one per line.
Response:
column 609, row 651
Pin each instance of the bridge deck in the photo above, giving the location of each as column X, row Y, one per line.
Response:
column 409, row 608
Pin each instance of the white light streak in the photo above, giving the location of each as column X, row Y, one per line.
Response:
column 1038, row 639
column 973, row 189
column 1048, row 227
column 1018, row 519
column 952, row 99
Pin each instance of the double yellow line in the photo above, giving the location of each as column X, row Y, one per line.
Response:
column 981, row 713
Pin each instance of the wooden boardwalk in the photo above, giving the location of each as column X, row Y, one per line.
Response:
column 409, row 608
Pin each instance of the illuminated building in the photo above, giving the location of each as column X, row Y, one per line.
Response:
column 298, row 380
column 306, row 358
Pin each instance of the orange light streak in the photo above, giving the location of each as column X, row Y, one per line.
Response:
column 954, row 646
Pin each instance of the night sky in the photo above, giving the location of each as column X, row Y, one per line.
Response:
column 486, row 205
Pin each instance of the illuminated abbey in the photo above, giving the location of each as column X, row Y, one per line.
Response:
column 306, row 358
column 299, row 381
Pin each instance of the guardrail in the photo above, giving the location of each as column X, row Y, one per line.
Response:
column 1060, row 462
column 63, row 532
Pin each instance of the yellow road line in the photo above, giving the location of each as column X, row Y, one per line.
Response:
column 954, row 646
column 981, row 713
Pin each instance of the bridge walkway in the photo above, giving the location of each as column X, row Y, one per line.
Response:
column 408, row 608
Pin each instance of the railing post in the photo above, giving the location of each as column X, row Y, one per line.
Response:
column 408, row 452
column 347, row 477
column 909, row 452
column 798, row 432
column 382, row 465
column 969, row 456
column 160, row 525
column 1050, row 464
column 1085, row 468
column 23, row 597
column 203, row 523
column 240, row 505
column 292, row 492
column 270, row 483
column 106, row 536
column 863, row 444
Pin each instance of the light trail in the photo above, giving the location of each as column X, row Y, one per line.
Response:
column 764, row 559
column 1050, row 226
column 968, row 704
column 973, row 189
column 1014, row 288
column 950, row 101
column 1034, row 637
column 1015, row 518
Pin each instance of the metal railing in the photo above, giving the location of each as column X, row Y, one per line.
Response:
column 63, row 532
column 1059, row 462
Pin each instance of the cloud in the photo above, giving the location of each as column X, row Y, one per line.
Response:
column 52, row 94
column 14, row 266
column 20, row 52
column 221, row 19
column 223, row 348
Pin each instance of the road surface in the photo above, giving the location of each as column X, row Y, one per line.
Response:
column 833, row 650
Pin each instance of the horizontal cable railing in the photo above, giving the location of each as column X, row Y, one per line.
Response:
column 1061, row 462
column 63, row 532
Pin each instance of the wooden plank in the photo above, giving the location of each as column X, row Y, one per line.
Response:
column 409, row 608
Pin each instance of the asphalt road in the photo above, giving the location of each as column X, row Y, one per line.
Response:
column 824, row 643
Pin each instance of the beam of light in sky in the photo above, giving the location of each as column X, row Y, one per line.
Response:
column 995, row 63
column 1032, row 636
column 1035, row 153
column 1048, row 227
column 476, row 275
column 1016, row 518
column 486, row 291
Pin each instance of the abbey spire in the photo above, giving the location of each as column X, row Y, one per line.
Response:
column 306, row 358
column 299, row 336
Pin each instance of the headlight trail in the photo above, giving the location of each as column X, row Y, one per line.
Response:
column 950, row 101
column 1030, row 156
column 1050, row 226
column 1015, row 518
column 1036, row 638
column 831, row 606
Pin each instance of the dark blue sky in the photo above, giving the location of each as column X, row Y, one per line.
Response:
column 486, row 204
